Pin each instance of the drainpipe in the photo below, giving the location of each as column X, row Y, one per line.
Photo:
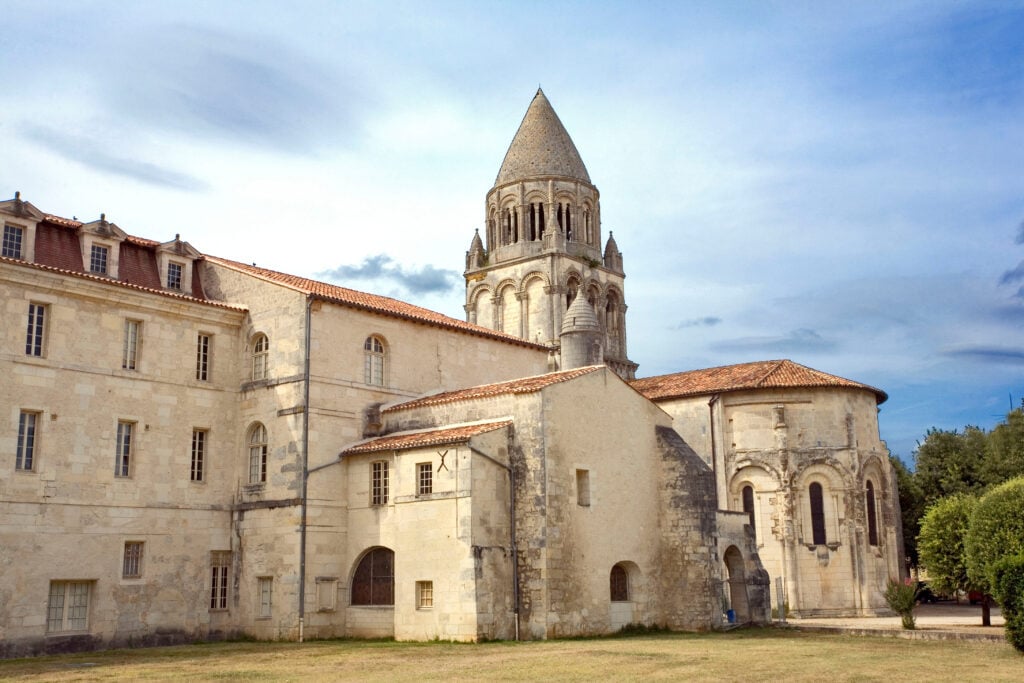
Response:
column 711, row 426
column 512, row 529
column 305, row 475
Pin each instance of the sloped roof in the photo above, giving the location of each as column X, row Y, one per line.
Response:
column 369, row 302
column 432, row 437
column 525, row 385
column 767, row 374
column 541, row 147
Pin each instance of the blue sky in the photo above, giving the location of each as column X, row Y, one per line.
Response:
column 841, row 184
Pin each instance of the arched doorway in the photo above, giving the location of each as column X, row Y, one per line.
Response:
column 737, row 584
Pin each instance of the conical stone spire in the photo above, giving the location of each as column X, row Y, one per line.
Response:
column 541, row 147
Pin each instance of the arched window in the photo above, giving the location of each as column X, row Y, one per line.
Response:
column 373, row 367
column 872, row 515
column 571, row 287
column 748, row 506
column 257, row 454
column 374, row 581
column 260, row 354
column 619, row 581
column 817, row 514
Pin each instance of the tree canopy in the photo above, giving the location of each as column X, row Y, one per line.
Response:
column 996, row 531
column 941, row 542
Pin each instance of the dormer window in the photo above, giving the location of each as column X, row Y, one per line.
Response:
column 98, row 258
column 174, row 276
column 14, row 237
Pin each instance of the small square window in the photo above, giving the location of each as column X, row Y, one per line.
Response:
column 583, row 488
column 174, row 271
column 98, row 257
column 13, row 238
column 132, row 566
column 424, row 478
column 424, row 594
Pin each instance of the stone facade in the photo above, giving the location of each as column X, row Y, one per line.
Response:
column 196, row 448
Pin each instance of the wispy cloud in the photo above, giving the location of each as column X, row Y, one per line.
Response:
column 89, row 152
column 706, row 321
column 988, row 354
column 797, row 341
column 381, row 268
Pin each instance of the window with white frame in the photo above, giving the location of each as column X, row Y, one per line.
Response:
column 99, row 256
column 174, row 271
column 260, row 354
column 132, row 565
column 203, row 357
column 424, row 594
column 132, row 341
column 379, row 482
column 25, row 452
column 424, row 478
column 68, row 606
column 373, row 361
column 123, row 452
column 220, row 565
column 264, row 589
column 257, row 454
column 14, row 236
column 35, row 336
column 198, row 454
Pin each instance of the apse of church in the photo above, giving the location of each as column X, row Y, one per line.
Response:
column 543, row 248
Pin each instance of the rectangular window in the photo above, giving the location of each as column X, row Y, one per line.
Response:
column 198, row 454
column 132, row 332
column 220, row 563
column 424, row 594
column 424, row 478
column 203, row 358
column 34, row 337
column 123, row 455
column 132, row 568
column 68, row 606
column 265, row 590
column 13, row 237
column 173, row 276
column 98, row 259
column 25, row 456
column 583, row 488
column 379, row 483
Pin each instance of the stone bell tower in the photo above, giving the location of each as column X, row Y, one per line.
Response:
column 543, row 249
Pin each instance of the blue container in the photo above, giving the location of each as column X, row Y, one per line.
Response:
column 730, row 615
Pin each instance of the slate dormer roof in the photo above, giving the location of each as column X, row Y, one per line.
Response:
column 541, row 147
column 767, row 374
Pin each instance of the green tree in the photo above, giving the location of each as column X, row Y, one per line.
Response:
column 911, row 507
column 996, row 531
column 949, row 462
column 1008, row 577
column 1004, row 450
column 941, row 542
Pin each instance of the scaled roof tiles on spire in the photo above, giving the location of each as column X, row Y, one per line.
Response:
column 525, row 385
column 420, row 439
column 369, row 302
column 768, row 374
column 541, row 147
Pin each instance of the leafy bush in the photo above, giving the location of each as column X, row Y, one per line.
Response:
column 1008, row 588
column 940, row 545
column 901, row 596
column 996, row 531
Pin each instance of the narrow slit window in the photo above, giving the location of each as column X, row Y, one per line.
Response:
column 34, row 337
column 817, row 514
column 123, row 452
column 203, row 358
column 132, row 339
column 748, row 507
column 198, row 455
column 25, row 453
column 872, row 514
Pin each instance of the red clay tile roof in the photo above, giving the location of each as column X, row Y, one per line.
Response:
column 434, row 437
column 370, row 302
column 768, row 374
column 526, row 385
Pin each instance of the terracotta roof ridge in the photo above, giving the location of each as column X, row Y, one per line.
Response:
column 122, row 283
column 430, row 436
column 522, row 385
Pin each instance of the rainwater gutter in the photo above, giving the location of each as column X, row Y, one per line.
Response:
column 305, row 474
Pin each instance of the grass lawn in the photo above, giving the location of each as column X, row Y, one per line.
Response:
column 745, row 655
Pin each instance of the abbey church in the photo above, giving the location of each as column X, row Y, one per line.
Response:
column 196, row 448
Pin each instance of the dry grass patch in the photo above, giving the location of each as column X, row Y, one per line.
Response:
column 736, row 656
